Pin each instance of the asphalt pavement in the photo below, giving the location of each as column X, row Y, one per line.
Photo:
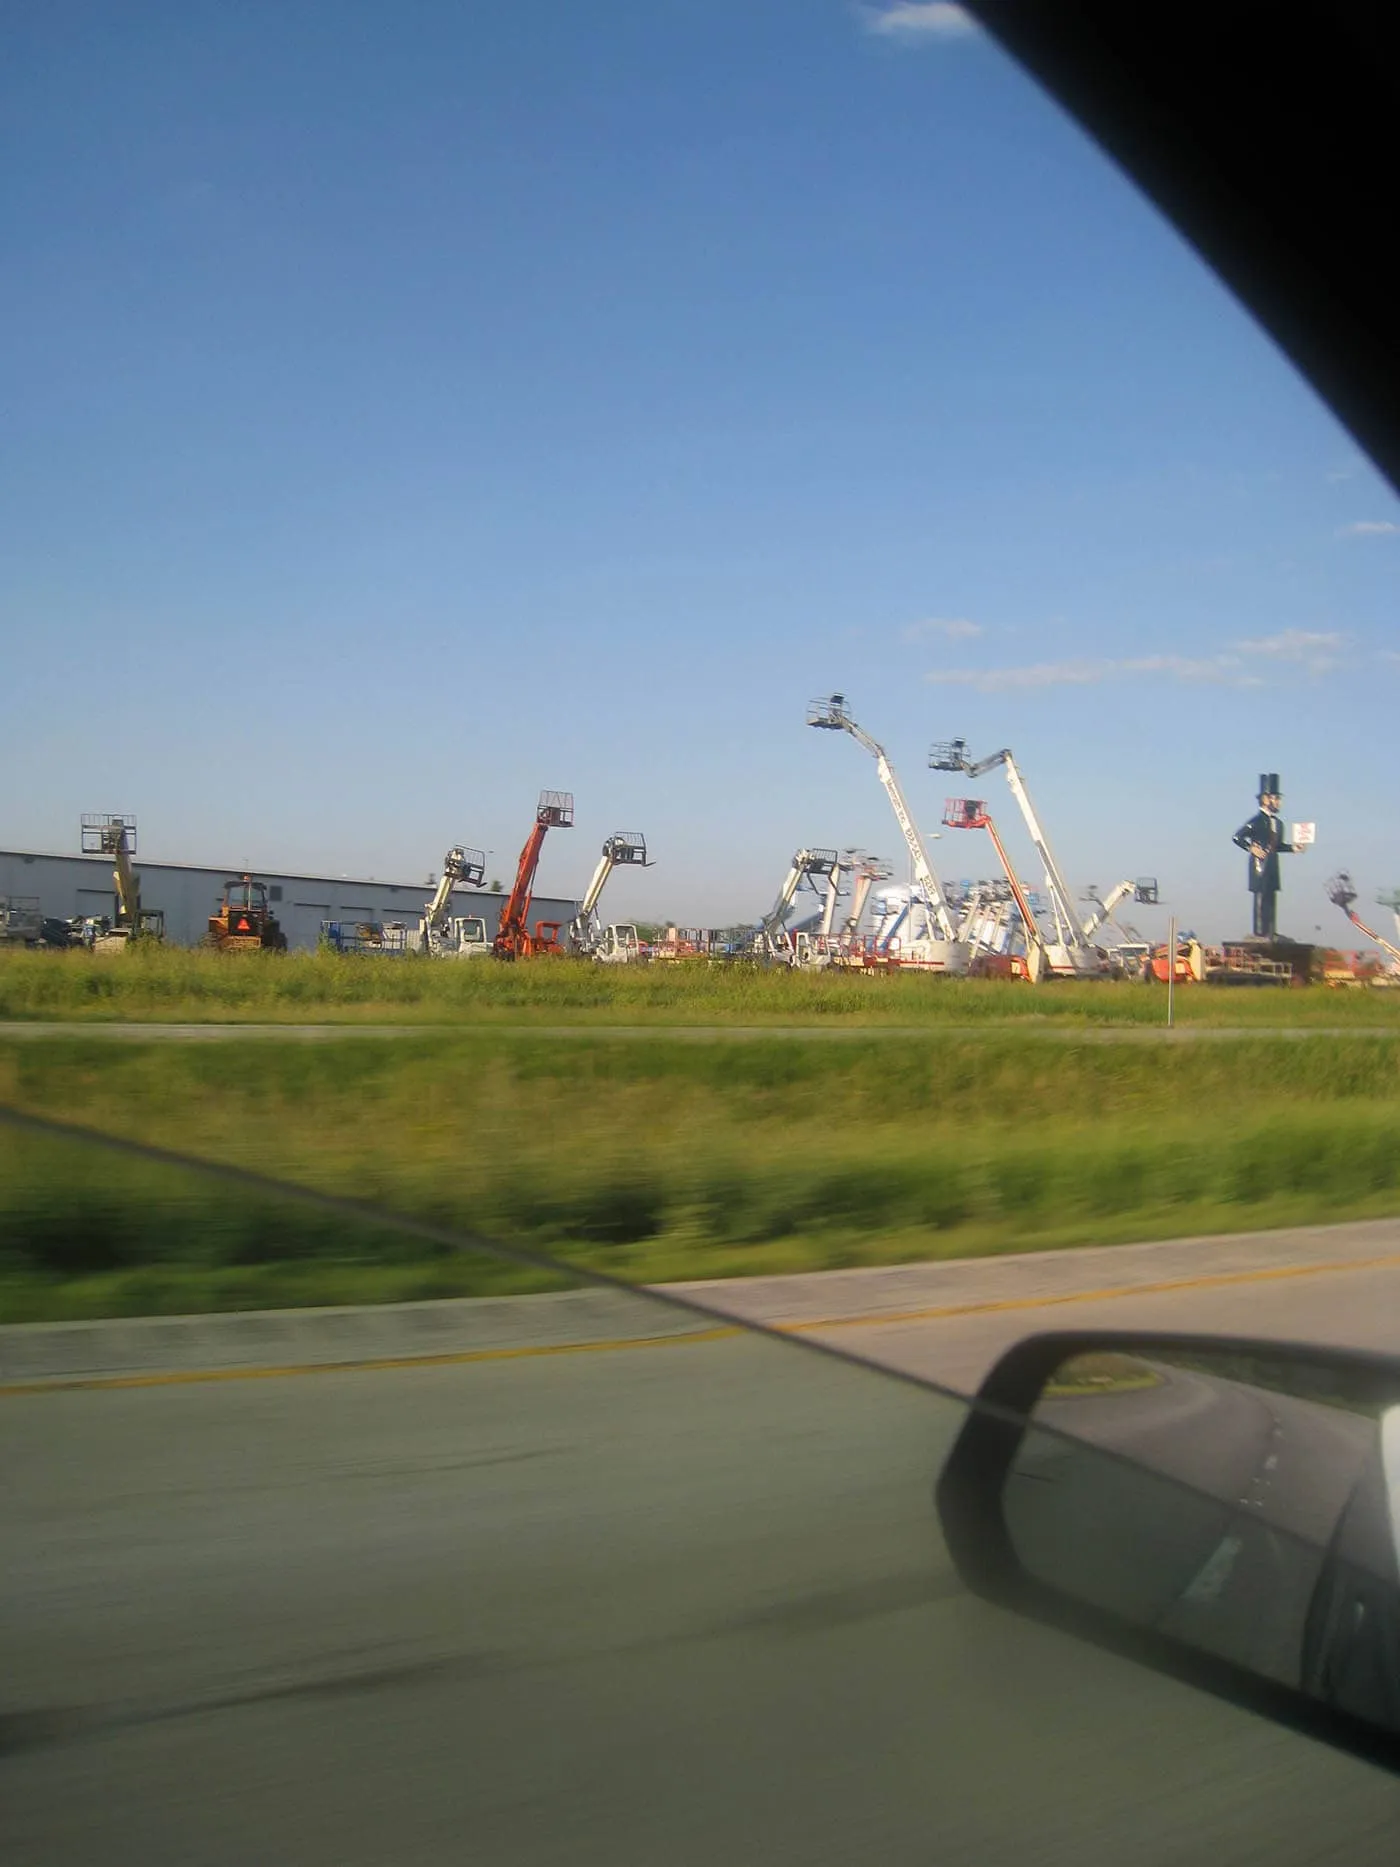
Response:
column 942, row 1321
column 673, row 1602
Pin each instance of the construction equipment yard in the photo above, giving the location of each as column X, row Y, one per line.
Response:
column 502, row 1099
column 839, row 909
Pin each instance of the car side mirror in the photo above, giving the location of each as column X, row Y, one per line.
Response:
column 1224, row 1511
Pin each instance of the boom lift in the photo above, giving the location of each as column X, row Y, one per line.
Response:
column 940, row 950
column 987, row 909
column 1103, row 913
column 1101, row 908
column 440, row 934
column 1341, row 892
column 774, row 941
column 830, row 901
column 814, row 949
column 1071, row 951
column 616, row 945
column 971, row 813
column 105, row 833
column 514, row 937
column 866, row 870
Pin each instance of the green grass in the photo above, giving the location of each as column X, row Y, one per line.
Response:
column 666, row 1159
column 186, row 986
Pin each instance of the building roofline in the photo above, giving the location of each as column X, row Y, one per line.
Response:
column 236, row 870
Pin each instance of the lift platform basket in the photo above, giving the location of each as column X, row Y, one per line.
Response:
column 1341, row 891
column 625, row 846
column 829, row 712
column 467, row 865
column 948, row 755
column 98, row 827
column 556, row 808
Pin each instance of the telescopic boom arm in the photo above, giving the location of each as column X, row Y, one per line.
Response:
column 952, row 756
column 1101, row 911
column 115, row 836
column 623, row 848
column 458, row 865
column 1341, row 892
column 555, row 810
column 831, row 715
column 867, row 871
column 805, row 863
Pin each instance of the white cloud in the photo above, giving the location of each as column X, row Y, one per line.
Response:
column 1294, row 644
column 951, row 628
column 1368, row 528
column 1217, row 670
column 918, row 20
column 1315, row 649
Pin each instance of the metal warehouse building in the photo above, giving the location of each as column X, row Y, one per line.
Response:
column 67, row 886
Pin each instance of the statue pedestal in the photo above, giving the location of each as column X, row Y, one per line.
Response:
column 1253, row 961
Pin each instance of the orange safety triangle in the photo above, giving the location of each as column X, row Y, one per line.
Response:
column 242, row 923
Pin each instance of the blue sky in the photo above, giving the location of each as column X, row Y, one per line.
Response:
column 412, row 407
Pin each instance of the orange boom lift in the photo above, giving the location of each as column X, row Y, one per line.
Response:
column 514, row 938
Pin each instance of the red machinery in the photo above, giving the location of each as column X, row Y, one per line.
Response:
column 514, row 938
column 971, row 813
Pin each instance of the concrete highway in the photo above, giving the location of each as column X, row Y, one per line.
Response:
column 673, row 1603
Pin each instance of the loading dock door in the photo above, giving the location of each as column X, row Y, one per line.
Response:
column 301, row 923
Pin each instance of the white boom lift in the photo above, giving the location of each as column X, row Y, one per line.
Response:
column 830, row 902
column 866, row 870
column 1071, row 950
column 826, row 944
column 986, row 916
column 1341, row 892
column 106, row 833
column 442, row 934
column 1103, row 909
column 617, row 945
column 940, row 950
column 773, row 940
column 819, row 947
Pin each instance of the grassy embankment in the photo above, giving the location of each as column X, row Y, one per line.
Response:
column 179, row 985
column 665, row 1159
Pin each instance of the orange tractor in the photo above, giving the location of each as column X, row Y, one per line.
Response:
column 245, row 923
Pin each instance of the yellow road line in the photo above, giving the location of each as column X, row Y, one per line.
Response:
column 1108, row 1293
column 720, row 1332
column 193, row 1377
